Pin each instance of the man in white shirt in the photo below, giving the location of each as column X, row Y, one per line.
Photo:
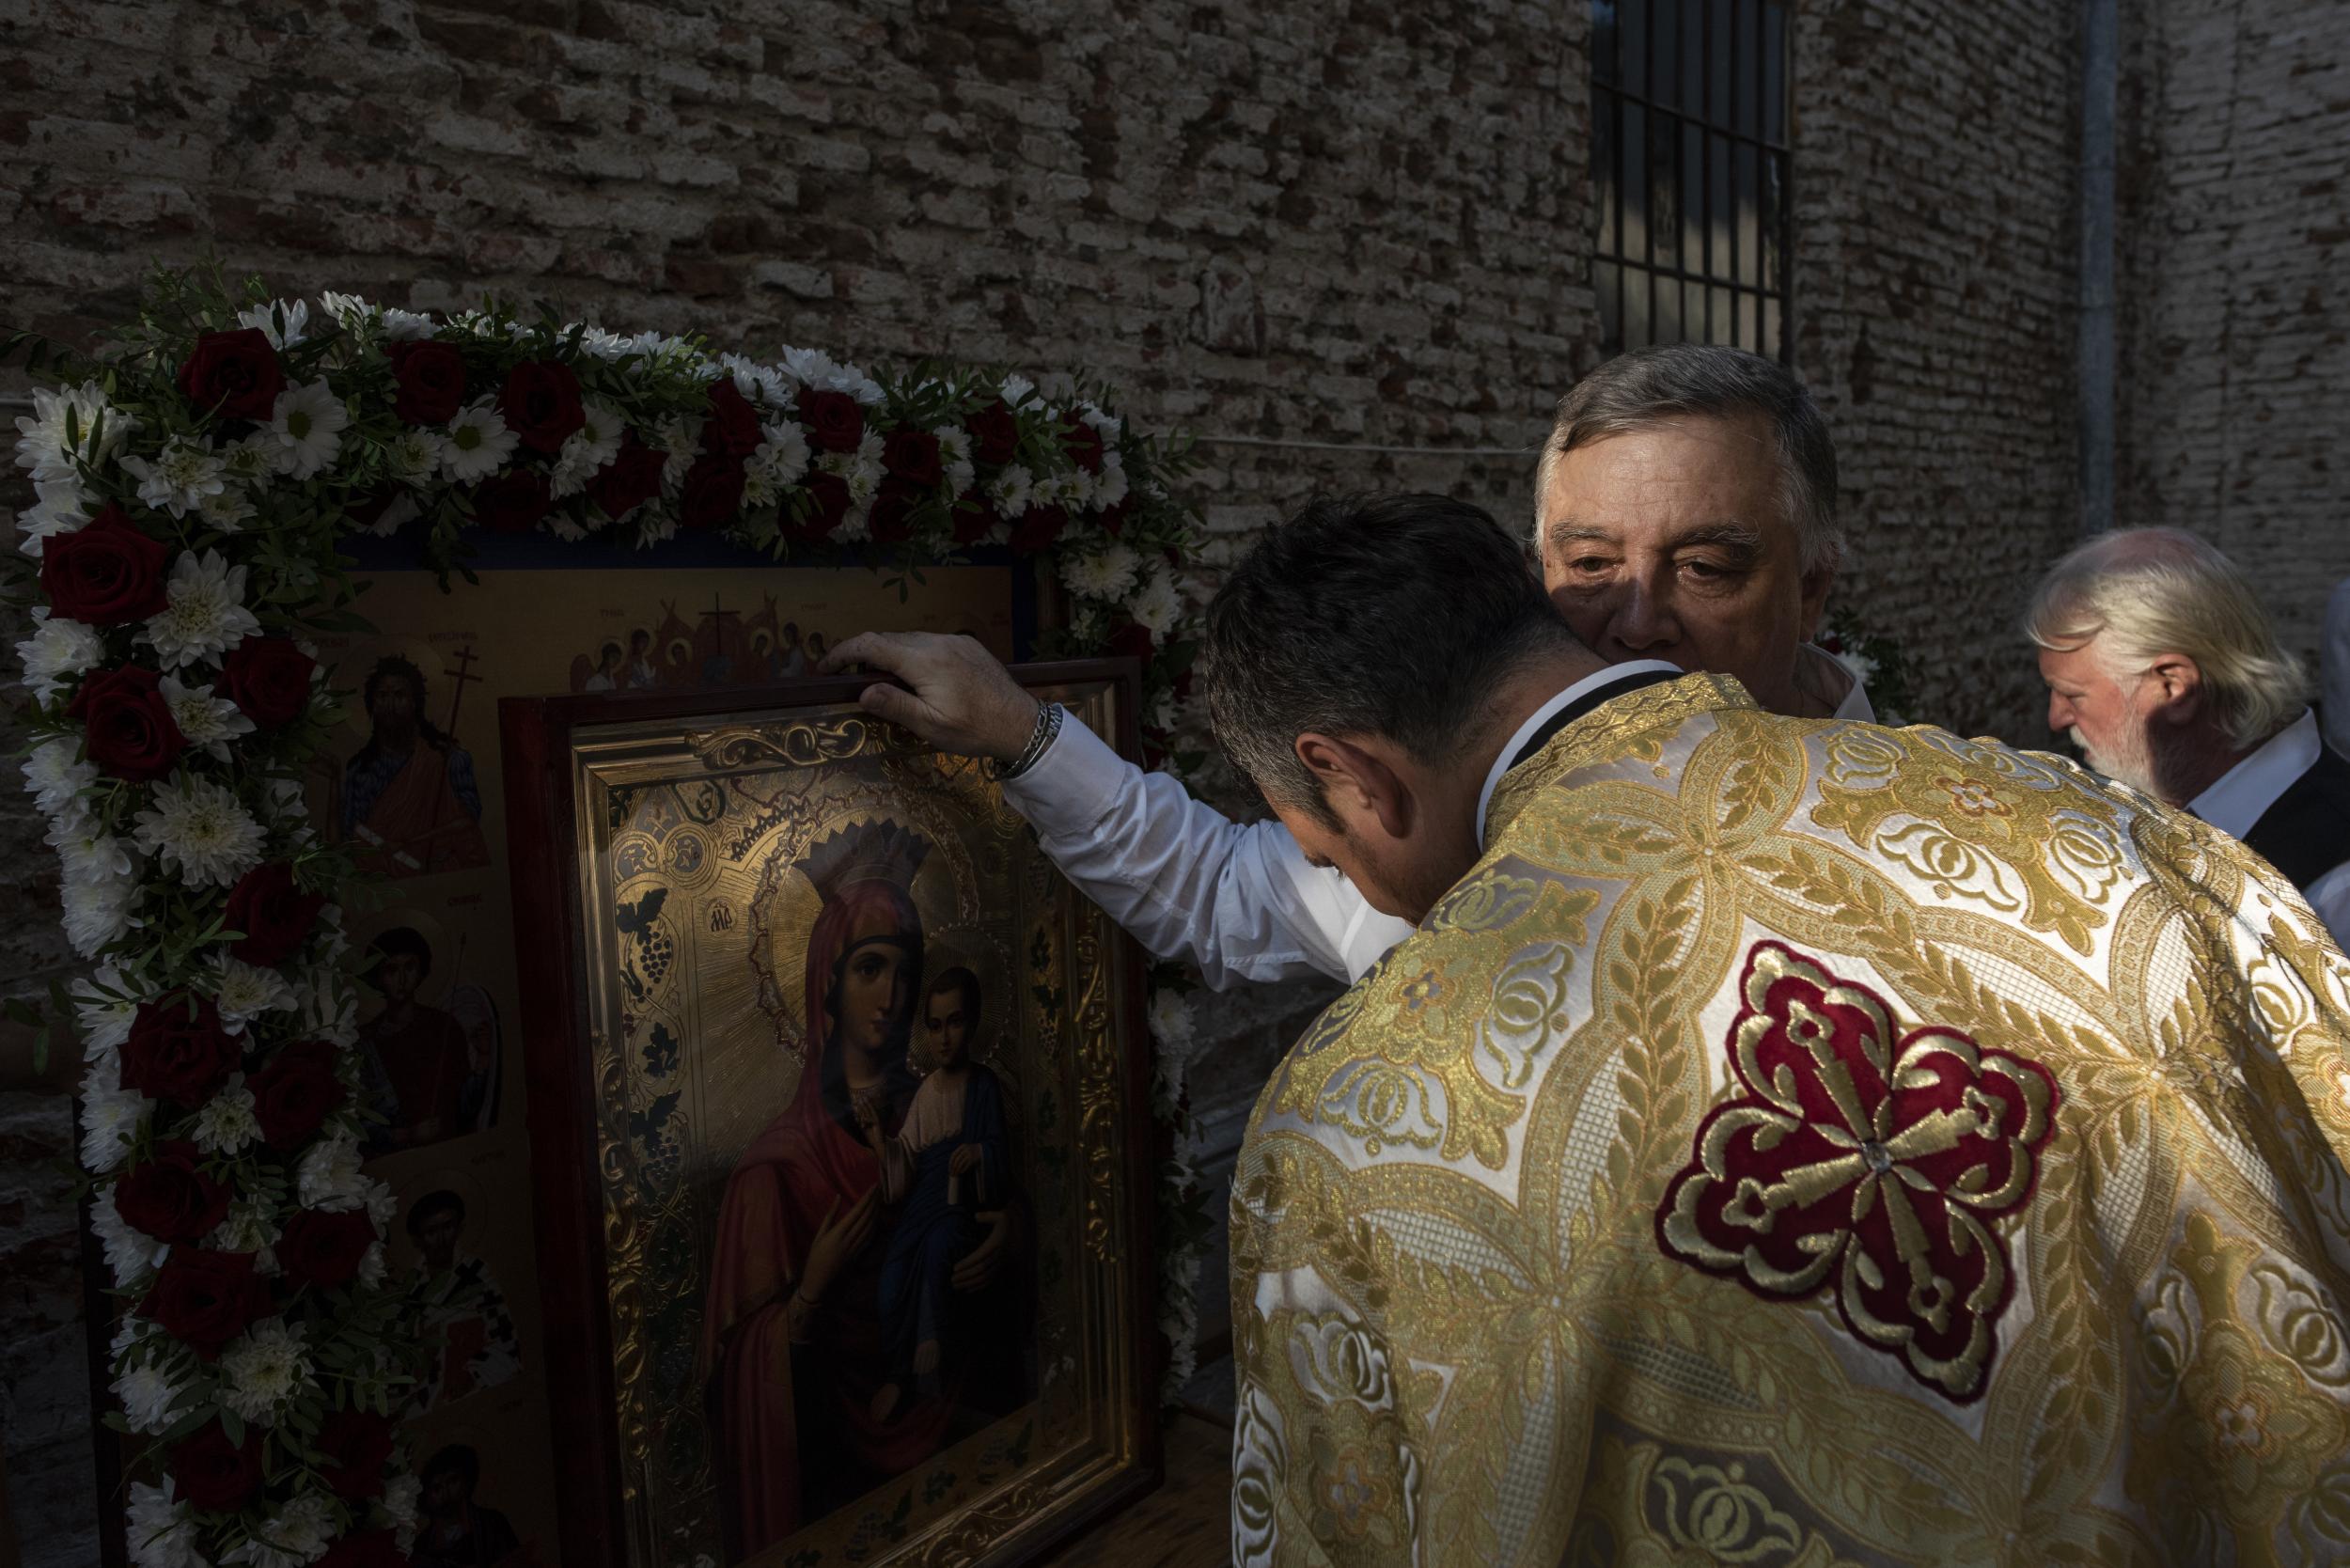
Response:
column 2161, row 662
column 1687, row 521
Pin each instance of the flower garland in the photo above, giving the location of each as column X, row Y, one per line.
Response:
column 193, row 480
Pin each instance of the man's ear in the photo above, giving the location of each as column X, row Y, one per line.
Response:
column 2179, row 688
column 1357, row 783
column 1815, row 585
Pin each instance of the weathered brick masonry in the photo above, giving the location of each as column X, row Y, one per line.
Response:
column 1356, row 223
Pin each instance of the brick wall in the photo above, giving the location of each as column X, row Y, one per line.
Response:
column 2234, row 288
column 1934, row 275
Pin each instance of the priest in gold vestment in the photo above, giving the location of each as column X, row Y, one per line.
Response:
column 1783, row 1141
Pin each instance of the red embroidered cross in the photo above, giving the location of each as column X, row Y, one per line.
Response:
column 1864, row 1165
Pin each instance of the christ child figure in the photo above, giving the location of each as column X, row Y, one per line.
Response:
column 948, row 1162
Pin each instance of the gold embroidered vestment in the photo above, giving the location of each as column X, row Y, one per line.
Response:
column 1807, row 1143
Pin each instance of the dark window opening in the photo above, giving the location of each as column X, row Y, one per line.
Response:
column 1690, row 168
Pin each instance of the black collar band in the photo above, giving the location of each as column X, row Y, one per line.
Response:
column 1606, row 692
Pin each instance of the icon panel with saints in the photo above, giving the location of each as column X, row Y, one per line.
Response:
column 844, row 1109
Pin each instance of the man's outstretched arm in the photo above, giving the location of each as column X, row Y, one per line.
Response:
column 1238, row 901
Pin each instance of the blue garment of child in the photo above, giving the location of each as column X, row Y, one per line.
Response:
column 932, row 1235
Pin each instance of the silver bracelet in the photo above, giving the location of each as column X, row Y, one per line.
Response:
column 1048, row 716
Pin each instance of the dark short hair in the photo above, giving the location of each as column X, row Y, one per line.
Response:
column 405, row 942
column 1391, row 615
column 391, row 667
column 461, row 1458
column 609, row 651
column 956, row 978
column 439, row 1201
column 1648, row 387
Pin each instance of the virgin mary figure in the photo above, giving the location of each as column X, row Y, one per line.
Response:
column 791, row 1339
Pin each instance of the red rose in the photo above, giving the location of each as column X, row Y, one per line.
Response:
column 540, row 404
column 1083, row 444
column 269, row 679
column 912, row 456
column 233, row 374
column 1037, row 527
column 168, row 1195
column 216, row 1474
column 108, row 572
column 357, row 1446
column 972, row 519
column 127, row 726
column 630, row 480
column 892, row 517
column 177, row 1050
column 297, row 1092
column 375, row 1549
column 830, row 494
column 513, row 502
column 733, row 427
column 432, row 379
column 1113, row 518
column 713, row 494
column 835, row 423
column 206, row 1299
column 274, row 914
column 1183, row 685
column 1132, row 641
column 995, row 432
column 324, row 1249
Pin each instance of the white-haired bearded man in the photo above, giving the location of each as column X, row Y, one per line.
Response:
column 2163, row 665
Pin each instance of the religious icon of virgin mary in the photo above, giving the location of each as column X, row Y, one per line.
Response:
column 793, row 1344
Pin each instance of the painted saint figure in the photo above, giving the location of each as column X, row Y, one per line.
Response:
column 465, row 1316
column 949, row 1163
column 458, row 1532
column 415, row 1059
column 793, row 1344
column 409, row 794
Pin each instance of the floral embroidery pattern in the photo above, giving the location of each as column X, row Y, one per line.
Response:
column 1866, row 1165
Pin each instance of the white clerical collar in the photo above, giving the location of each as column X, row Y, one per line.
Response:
column 2245, row 791
column 1535, row 720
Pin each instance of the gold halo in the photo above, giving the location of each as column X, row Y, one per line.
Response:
column 350, row 677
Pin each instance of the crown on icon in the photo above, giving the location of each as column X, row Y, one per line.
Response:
column 874, row 851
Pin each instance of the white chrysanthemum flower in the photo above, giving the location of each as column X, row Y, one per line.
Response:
column 1068, row 488
column 401, row 1495
column 227, row 511
column 131, row 1254
column 161, row 1531
column 1012, row 488
column 263, row 1370
column 382, row 1203
column 1163, row 714
column 328, row 1177
column 406, row 326
column 307, row 423
column 251, row 460
column 1104, row 573
column 146, row 1394
column 227, row 1123
column 206, row 617
column 1171, row 1022
column 412, row 456
column 347, row 311
column 295, row 1535
column 329, row 1007
column 372, row 1266
column 179, row 480
column 757, row 381
column 44, row 448
column 55, row 777
column 59, row 507
column 478, row 443
column 1108, row 426
column 103, row 1007
column 59, row 653
column 395, row 517
column 682, row 438
column 112, row 1116
column 586, row 450
column 655, row 525
column 563, row 526
column 93, row 856
column 284, row 322
column 782, row 454
column 606, row 346
column 1159, row 606
column 1109, row 485
column 1016, row 388
column 251, row 1226
column 1088, row 625
column 206, row 720
column 856, row 526
column 201, row 829
column 97, row 914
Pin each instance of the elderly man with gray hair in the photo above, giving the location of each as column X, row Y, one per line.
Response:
column 2161, row 662
column 1684, row 520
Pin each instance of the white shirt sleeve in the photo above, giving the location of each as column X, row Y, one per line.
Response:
column 1242, row 902
column 2329, row 899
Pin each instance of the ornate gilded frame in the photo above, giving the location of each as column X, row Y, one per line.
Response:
column 609, row 1238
